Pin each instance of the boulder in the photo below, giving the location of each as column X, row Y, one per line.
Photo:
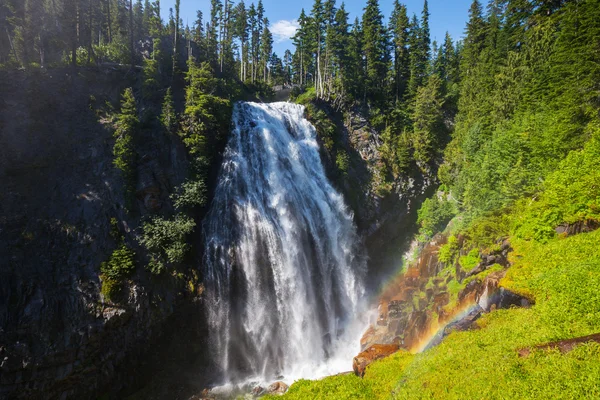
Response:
column 373, row 353
column 277, row 388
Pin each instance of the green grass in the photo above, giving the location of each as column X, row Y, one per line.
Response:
column 563, row 277
column 379, row 380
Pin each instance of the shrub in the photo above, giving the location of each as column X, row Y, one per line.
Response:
column 469, row 261
column 449, row 250
column 120, row 265
column 433, row 216
column 165, row 240
column 190, row 194
column 342, row 161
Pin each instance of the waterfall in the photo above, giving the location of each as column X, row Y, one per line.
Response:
column 283, row 269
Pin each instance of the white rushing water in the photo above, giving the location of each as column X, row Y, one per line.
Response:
column 283, row 271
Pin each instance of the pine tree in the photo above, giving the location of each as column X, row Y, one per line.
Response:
column 212, row 39
column 266, row 48
column 168, row 117
column 123, row 150
column 317, row 34
column 375, row 48
column 356, row 68
column 399, row 25
column 240, row 30
column 254, row 40
column 428, row 126
column 302, row 43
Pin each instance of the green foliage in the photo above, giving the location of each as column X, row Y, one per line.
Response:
column 433, row 216
column 120, row 265
column 151, row 72
column 165, row 240
column 168, row 116
column 469, row 261
column 342, row 162
column 207, row 116
column 190, row 194
column 570, row 194
column 428, row 126
column 521, row 108
column 326, row 129
column 124, row 150
column 449, row 250
column 116, row 51
column 306, row 97
column 562, row 276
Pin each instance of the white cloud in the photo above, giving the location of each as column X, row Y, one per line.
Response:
column 283, row 30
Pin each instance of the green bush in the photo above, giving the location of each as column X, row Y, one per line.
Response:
column 433, row 216
column 116, row 51
column 120, row 265
column 449, row 250
column 342, row 161
column 469, row 261
column 165, row 240
column 190, row 194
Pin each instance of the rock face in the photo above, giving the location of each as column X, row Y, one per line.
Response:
column 58, row 337
column 373, row 353
column 417, row 310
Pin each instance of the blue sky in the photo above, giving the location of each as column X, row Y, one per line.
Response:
column 446, row 15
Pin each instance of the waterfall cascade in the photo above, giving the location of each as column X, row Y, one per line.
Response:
column 283, row 270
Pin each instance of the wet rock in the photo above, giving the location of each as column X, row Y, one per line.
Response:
column 373, row 353
column 577, row 227
column 277, row 388
column 258, row 391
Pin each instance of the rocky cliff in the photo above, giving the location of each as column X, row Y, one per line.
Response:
column 431, row 298
column 59, row 338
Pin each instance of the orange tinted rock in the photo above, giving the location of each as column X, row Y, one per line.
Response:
column 277, row 388
column 373, row 353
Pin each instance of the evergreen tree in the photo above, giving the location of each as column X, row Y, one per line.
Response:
column 168, row 117
column 240, row 30
column 399, row 26
column 375, row 49
column 317, row 34
column 123, row 150
column 266, row 48
column 356, row 67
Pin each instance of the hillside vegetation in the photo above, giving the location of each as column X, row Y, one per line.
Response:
column 523, row 163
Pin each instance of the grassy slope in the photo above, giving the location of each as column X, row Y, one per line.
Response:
column 563, row 276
